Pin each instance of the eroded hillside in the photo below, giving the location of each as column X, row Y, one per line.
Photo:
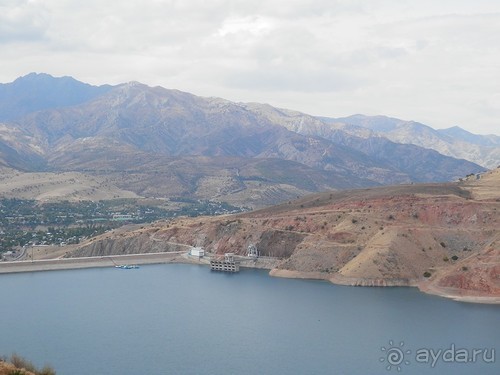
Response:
column 437, row 234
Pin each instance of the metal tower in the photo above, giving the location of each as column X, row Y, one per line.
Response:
column 252, row 251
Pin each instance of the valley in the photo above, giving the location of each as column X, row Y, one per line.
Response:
column 133, row 169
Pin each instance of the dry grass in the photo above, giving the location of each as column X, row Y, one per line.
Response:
column 17, row 365
column 486, row 188
column 58, row 186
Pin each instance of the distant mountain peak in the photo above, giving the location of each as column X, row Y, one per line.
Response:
column 42, row 78
column 38, row 91
column 33, row 75
column 134, row 84
column 456, row 130
column 454, row 141
column 465, row 136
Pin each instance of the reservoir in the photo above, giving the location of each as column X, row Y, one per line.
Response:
column 185, row 319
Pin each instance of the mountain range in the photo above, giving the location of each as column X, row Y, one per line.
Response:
column 455, row 141
column 162, row 143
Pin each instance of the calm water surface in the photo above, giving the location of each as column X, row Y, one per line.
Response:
column 183, row 319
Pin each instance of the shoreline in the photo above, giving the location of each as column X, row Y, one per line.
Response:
column 181, row 257
column 457, row 294
column 338, row 279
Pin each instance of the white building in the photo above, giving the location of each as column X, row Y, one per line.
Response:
column 197, row 252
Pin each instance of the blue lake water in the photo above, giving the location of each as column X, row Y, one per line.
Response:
column 184, row 319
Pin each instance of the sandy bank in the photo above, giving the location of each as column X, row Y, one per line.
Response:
column 456, row 294
column 341, row 280
column 459, row 295
column 298, row 275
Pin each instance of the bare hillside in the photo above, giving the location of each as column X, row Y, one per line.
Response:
column 72, row 186
column 399, row 235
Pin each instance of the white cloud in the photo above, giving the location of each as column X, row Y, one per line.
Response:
column 248, row 26
column 22, row 21
column 431, row 61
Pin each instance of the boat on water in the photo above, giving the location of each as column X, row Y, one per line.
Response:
column 127, row 266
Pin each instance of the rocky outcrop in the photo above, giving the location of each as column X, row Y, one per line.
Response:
column 215, row 235
column 134, row 243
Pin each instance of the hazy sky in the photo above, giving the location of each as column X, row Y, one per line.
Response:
column 433, row 61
